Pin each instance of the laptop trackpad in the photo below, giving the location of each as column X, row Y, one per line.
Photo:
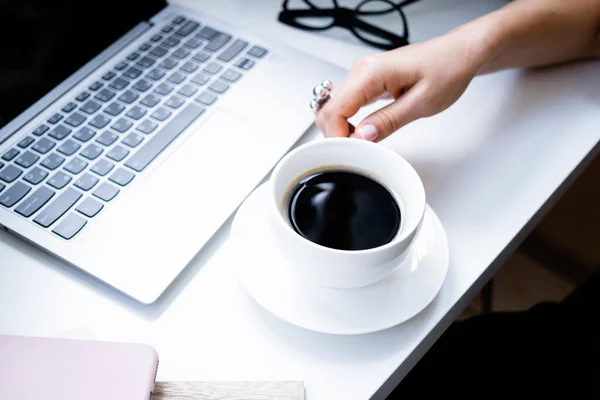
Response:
column 178, row 206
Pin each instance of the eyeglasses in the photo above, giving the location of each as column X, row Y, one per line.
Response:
column 318, row 18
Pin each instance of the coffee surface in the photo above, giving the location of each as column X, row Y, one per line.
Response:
column 344, row 210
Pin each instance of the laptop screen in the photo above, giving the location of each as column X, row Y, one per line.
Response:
column 42, row 42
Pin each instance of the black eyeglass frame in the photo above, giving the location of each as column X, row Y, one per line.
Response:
column 349, row 19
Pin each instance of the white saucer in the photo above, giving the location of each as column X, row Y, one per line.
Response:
column 270, row 280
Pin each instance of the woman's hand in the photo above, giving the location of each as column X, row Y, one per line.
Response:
column 424, row 79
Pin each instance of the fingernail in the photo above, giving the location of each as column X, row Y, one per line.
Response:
column 368, row 132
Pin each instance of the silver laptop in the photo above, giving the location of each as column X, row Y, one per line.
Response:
column 124, row 164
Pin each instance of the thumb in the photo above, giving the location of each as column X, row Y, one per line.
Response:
column 385, row 121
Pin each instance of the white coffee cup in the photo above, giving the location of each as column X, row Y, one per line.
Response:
column 341, row 268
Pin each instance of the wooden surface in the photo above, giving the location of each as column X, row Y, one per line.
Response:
column 282, row 390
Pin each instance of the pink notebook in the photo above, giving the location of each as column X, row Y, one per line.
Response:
column 53, row 369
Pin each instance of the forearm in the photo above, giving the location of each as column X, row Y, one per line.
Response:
column 532, row 33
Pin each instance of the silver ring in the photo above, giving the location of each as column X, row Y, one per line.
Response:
column 322, row 94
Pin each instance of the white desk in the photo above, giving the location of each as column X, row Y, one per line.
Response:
column 490, row 164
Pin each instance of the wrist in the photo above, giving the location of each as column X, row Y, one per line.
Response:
column 479, row 40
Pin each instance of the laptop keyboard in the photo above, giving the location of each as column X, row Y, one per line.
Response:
column 69, row 168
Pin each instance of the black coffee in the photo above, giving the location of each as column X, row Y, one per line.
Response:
column 344, row 210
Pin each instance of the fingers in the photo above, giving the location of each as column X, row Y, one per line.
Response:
column 364, row 83
column 385, row 121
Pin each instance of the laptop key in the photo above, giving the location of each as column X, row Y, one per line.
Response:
column 102, row 167
column 257, row 51
column 201, row 57
column 121, row 66
column 161, row 114
column 86, row 182
column 91, row 152
column 134, row 56
column 43, row 146
column 206, row 98
column 132, row 72
column 244, row 63
column 155, row 74
column 90, row 107
column 117, row 153
column 9, row 155
column 163, row 89
column 231, row 75
column 150, row 100
column 142, row 85
column 70, row 226
column 146, row 62
column 95, row 86
column 156, row 38
column 167, row 29
column 233, row 50
column 25, row 142
column 35, row 201
column 129, row 97
column 58, row 207
column 136, row 112
column 200, row 79
column 53, row 161
column 164, row 137
column 75, row 166
column 9, row 173
column 14, row 194
column 105, row 95
column 174, row 102
column 59, row 180
column 168, row 63
column 181, row 53
column 27, row 159
column 108, row 76
column 187, row 28
column 218, row 87
column 114, row 109
column 84, row 134
column 159, row 51
column 68, row 148
column 69, row 107
column 187, row 91
column 171, row 42
column 75, row 120
column 55, row 118
column 82, row 96
column 122, row 177
column 144, row 47
column 89, row 207
column 132, row 140
column 189, row 67
column 99, row 121
column 35, row 176
column 107, row 138
column 212, row 68
column 106, row 191
column 192, row 43
column 39, row 131
column 147, row 126
column 217, row 42
column 2, row 186
column 119, row 83
column 207, row 33
column 178, row 20
column 122, row 125
column 176, row 78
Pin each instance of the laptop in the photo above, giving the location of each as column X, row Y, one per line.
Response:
column 33, row 368
column 131, row 130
